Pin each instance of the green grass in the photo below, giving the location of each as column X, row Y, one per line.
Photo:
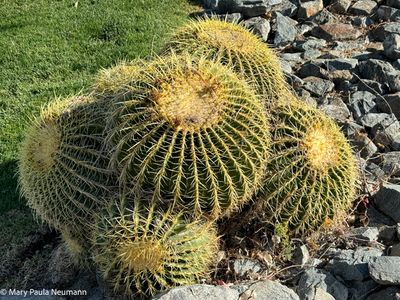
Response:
column 52, row 48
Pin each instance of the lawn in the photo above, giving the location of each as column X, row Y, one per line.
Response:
column 52, row 49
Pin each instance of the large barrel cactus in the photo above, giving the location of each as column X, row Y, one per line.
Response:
column 312, row 175
column 193, row 132
column 63, row 170
column 142, row 251
column 235, row 45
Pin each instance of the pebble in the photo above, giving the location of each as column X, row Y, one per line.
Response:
column 387, row 200
column 390, row 104
column 385, row 270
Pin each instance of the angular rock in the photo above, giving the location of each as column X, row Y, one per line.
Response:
column 309, row 44
column 311, row 54
column 301, row 255
column 249, row 8
column 385, row 270
column 363, row 145
column 286, row 8
column 362, row 22
column 312, row 68
column 373, row 87
column 377, row 218
column 313, row 279
column 293, row 58
column 270, row 290
column 363, row 7
column 362, row 103
column 390, row 163
column 390, row 104
column 391, row 46
column 336, row 31
column 336, row 109
column 387, row 200
column 341, row 64
column 386, row 131
column 244, row 265
column 371, row 119
column 387, row 13
column 393, row 3
column 285, row 29
column 199, row 291
column 360, row 289
column 380, row 71
column 340, row 6
column 389, row 293
column 259, row 26
column 309, row 8
column 322, row 17
column 364, row 234
column 353, row 264
column 318, row 86
column 383, row 30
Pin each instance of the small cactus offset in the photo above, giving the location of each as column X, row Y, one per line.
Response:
column 311, row 178
column 234, row 45
column 193, row 132
column 142, row 251
column 63, row 172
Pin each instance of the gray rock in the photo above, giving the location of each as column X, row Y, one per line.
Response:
column 295, row 81
column 387, row 234
column 318, row 86
column 387, row 200
column 390, row 104
column 360, row 289
column 286, row 8
column 259, row 26
column 373, row 87
column 391, row 46
column 305, row 28
column 322, row 17
column 373, row 172
column 249, row 8
column 293, row 58
column 385, row 270
column 396, row 64
column 395, row 250
column 309, row 8
column 362, row 22
column 386, row 131
column 336, row 31
column 353, row 264
column 393, row 3
column 389, row 293
column 377, row 218
column 364, row 234
column 244, row 265
column 347, row 46
column 363, row 145
column 301, row 255
column 341, row 64
column 390, row 163
column 363, row 7
column 336, row 109
column 383, row 30
column 212, row 4
column 361, row 103
column 286, row 67
column 232, row 18
column 313, row 279
column 285, row 30
column 310, row 43
column 270, row 290
column 341, row 78
column 311, row 54
column 382, row 72
column 306, row 97
column 387, row 13
column 371, row 119
column 199, row 291
column 340, row 6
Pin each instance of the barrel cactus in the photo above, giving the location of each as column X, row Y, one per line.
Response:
column 235, row 45
column 193, row 132
column 63, row 171
column 143, row 251
column 312, row 175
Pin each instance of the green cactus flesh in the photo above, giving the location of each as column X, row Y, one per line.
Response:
column 193, row 132
column 236, row 46
column 142, row 251
column 62, row 171
column 312, row 174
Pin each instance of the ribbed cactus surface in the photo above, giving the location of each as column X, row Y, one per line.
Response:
column 193, row 132
column 233, row 44
column 142, row 251
column 63, row 171
column 312, row 175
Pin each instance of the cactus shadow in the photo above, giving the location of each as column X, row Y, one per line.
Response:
column 9, row 194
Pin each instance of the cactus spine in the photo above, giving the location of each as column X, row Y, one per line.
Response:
column 193, row 132
column 233, row 45
column 142, row 251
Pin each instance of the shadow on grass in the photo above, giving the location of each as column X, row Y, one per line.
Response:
column 9, row 194
column 196, row 2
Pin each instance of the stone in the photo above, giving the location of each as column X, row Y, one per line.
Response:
column 306, row 97
column 244, row 265
column 383, row 30
column 395, row 250
column 369, row 120
column 353, row 264
column 387, row 200
column 341, row 64
column 360, row 289
column 389, row 104
column 318, row 86
column 389, row 293
column 387, row 234
column 292, row 58
column 377, row 218
column 386, row 131
column 311, row 54
column 286, row 67
column 211, row 4
column 199, row 291
column 396, row 64
column 336, row 109
column 309, row 8
column 301, row 255
column 305, row 28
column 232, row 18
column 286, row 8
column 259, row 26
column 363, row 145
column 363, row 7
column 380, row 71
column 340, row 6
column 285, row 30
column 390, row 163
column 364, row 234
column 310, row 43
column 313, row 279
column 393, row 3
column 374, row 173
column 249, row 8
column 373, row 87
column 385, row 270
column 362, row 22
column 362, row 103
column 269, row 290
column 391, row 46
column 340, row 77
column 336, row 31
column 322, row 17
column 387, row 13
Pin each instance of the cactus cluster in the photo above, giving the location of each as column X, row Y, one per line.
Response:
column 135, row 174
